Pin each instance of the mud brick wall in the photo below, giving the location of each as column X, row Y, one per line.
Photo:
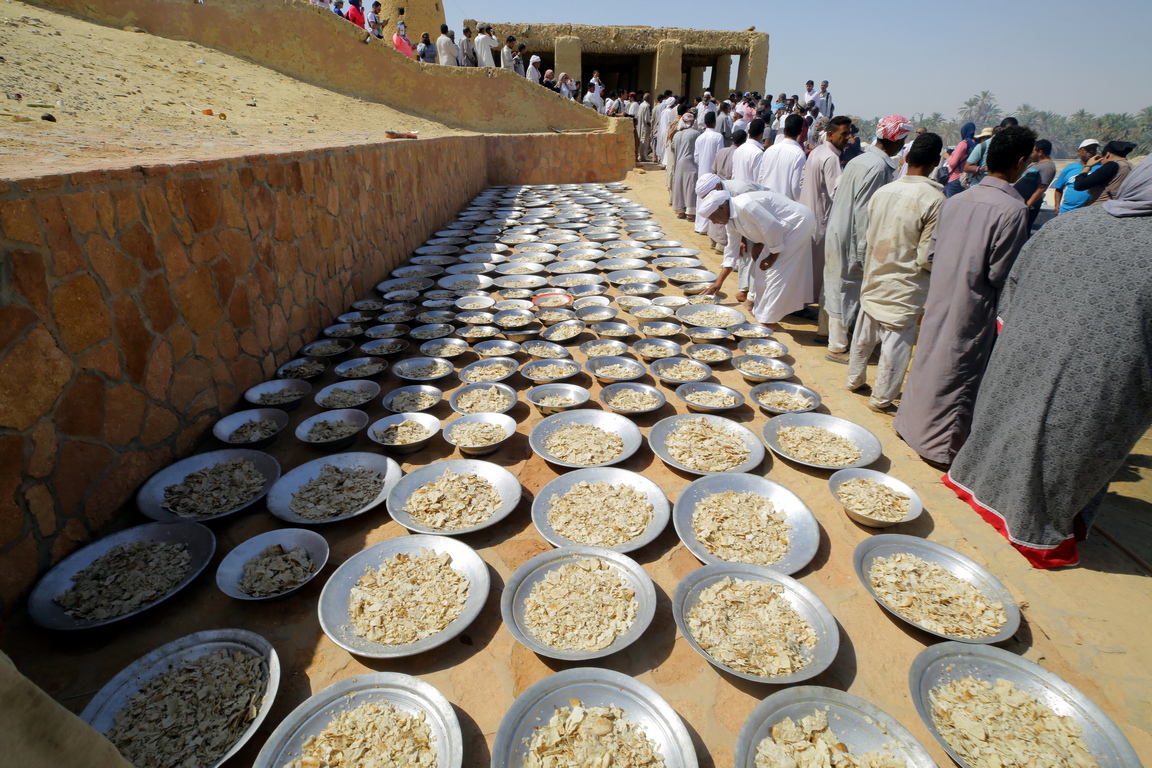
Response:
column 137, row 305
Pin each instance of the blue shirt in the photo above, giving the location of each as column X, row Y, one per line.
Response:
column 1073, row 198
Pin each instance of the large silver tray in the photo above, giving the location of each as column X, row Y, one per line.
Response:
column 803, row 537
column 43, row 610
column 504, row 481
column 735, row 316
column 532, row 572
column 594, row 688
column 561, row 485
column 658, row 437
column 281, row 494
column 963, row 568
column 859, row 724
column 609, row 422
column 869, row 445
column 151, row 494
column 937, row 664
column 333, row 607
column 112, row 698
column 803, row 601
column 231, row 568
column 402, row 691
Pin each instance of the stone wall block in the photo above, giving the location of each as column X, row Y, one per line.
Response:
column 14, row 321
column 202, row 202
column 29, row 278
column 79, row 412
column 158, row 305
column 159, row 424
column 133, row 335
column 191, row 377
column 11, row 461
column 117, row 271
column 124, row 414
column 159, row 372
column 19, row 222
column 105, row 212
column 66, row 254
column 140, row 244
column 156, row 208
column 104, row 359
column 42, row 507
column 81, row 463
column 176, row 263
column 17, row 565
column 23, row 398
column 196, row 297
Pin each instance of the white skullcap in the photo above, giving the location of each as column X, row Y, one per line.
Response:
column 534, row 60
column 706, row 184
column 712, row 203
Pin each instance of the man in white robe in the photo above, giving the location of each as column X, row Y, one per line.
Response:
column 704, row 152
column 782, row 163
column 663, row 125
column 735, row 257
column 533, row 72
column 779, row 232
column 705, row 106
column 485, row 44
column 447, row 52
column 746, row 160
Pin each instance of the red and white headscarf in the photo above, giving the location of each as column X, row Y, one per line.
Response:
column 893, row 128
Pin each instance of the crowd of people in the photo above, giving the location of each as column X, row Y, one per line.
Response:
column 897, row 243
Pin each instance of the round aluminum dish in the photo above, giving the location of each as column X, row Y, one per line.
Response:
column 492, row 247
column 960, row 566
column 531, row 573
column 343, row 331
column 276, row 386
column 659, row 329
column 438, row 249
column 940, row 663
column 748, row 347
column 751, row 331
column 591, row 301
column 609, row 422
column 694, row 289
column 632, row 253
column 280, row 497
column 620, row 277
column 382, row 347
column 509, row 364
column 561, row 485
column 610, row 330
column 225, row 427
column 431, row 331
column 454, row 399
column 733, row 316
column 110, row 700
column 651, row 312
column 803, row 601
column 342, row 369
column 387, row 331
column 587, row 290
column 657, row 367
column 519, row 239
column 870, row 449
column 386, row 401
column 430, row 422
column 499, row 419
column 545, row 350
column 367, row 305
column 500, row 306
column 568, row 282
column 571, row 266
column 521, row 281
column 596, row 365
column 616, row 264
column 417, row 270
column 356, row 318
column 344, row 415
column 699, row 353
column 617, row 348
column 482, row 257
column 915, row 507
column 803, row 534
column 455, row 348
column 684, row 390
column 465, row 282
column 650, row 236
column 854, row 721
column 285, row 371
column 560, row 239
column 510, row 319
column 740, row 363
column 334, row 601
column 476, row 333
column 602, row 237
column 579, row 394
column 683, row 275
column 607, row 392
column 403, row 368
column 640, row 289
column 671, row 346
column 552, row 332
column 427, row 304
column 476, row 317
column 705, row 335
column 583, row 254
column 660, row 246
column 496, row 348
column 474, row 303
column 593, row 687
column 471, row 268
column 597, row 313
column 42, row 607
column 231, row 569
column 658, row 437
column 537, row 247
column 791, row 388
column 309, row 350
column 407, row 693
column 404, row 284
column 501, row 479
column 436, row 316
column 433, row 260
column 530, row 370
column 550, row 316
column 677, row 262
column 523, row 335
column 151, row 494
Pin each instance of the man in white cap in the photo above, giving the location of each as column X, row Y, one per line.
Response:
column 1068, row 198
column 777, row 234
column 705, row 106
column 734, row 258
column 533, row 73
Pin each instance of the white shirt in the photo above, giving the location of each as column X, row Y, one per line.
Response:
column 746, row 161
column 484, row 46
column 781, row 166
column 446, row 51
column 533, row 73
column 599, row 87
column 811, row 96
column 704, row 150
column 824, row 102
column 591, row 99
column 508, row 58
column 710, row 107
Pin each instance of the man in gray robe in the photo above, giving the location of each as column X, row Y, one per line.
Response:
column 818, row 185
column 978, row 235
column 644, row 128
column 846, row 236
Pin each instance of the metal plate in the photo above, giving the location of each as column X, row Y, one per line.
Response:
column 684, row 390
column 859, row 724
column 915, row 506
column 527, row 576
column 509, row 364
column 740, row 362
column 942, row 662
column 504, row 481
column 791, row 388
column 386, row 401
column 561, row 485
column 803, row 537
column 869, row 445
column 963, row 568
column 803, row 600
column 151, row 495
column 333, row 607
column 658, row 437
column 223, row 429
column 529, row 370
column 42, row 608
column 402, row 369
column 609, row 422
column 402, row 691
column 593, row 687
column 114, row 696
column 281, row 494
column 231, row 568
column 607, row 392
column 735, row 316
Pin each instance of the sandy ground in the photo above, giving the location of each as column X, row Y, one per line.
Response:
column 120, row 95
column 1088, row 624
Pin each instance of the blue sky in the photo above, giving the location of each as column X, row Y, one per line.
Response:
column 899, row 59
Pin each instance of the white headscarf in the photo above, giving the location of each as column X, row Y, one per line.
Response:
column 707, row 183
column 710, row 204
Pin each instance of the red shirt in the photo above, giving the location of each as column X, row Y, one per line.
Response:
column 355, row 15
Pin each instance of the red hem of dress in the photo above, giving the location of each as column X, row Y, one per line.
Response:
column 1064, row 554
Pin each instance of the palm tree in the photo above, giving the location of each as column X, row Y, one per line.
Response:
column 970, row 110
column 988, row 111
column 1025, row 113
column 1118, row 126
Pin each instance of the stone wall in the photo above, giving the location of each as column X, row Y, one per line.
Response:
column 137, row 305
